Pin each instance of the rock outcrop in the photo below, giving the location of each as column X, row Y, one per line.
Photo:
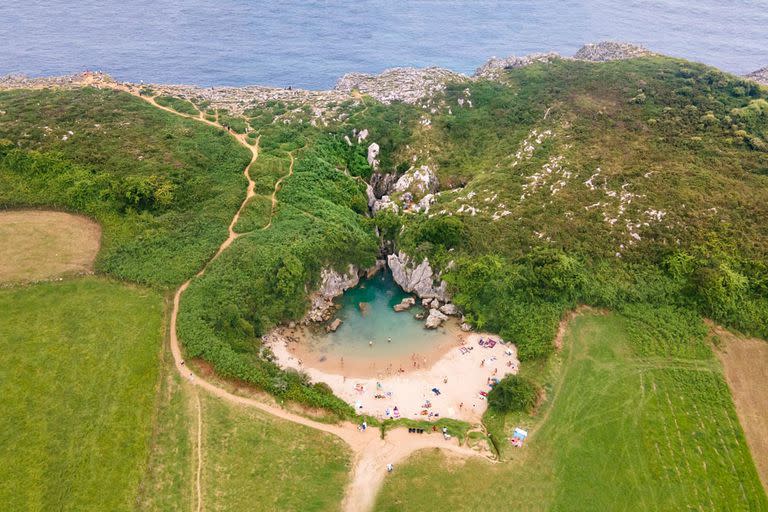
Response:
column 494, row 67
column 435, row 319
column 332, row 284
column 760, row 76
column 605, row 51
column 334, row 325
column 373, row 152
column 408, row 85
column 417, row 278
column 405, row 304
column 418, row 182
column 449, row 309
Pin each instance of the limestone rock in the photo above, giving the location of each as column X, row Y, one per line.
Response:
column 494, row 68
column 385, row 203
column 373, row 152
column 435, row 304
column 405, row 304
column 418, row 279
column 435, row 319
column 382, row 184
column 609, row 50
column 449, row 309
column 408, row 85
column 334, row 325
column 466, row 327
column 760, row 76
column 418, row 182
column 332, row 284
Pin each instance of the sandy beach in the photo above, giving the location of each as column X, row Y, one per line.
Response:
column 459, row 376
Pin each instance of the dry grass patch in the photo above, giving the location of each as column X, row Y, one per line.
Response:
column 745, row 361
column 39, row 245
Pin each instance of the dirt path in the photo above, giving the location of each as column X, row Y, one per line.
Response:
column 199, row 473
column 371, row 454
column 745, row 371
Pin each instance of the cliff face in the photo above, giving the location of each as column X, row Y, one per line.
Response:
column 417, row 278
column 332, row 284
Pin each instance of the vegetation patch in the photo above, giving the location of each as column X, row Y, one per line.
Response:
column 163, row 188
column 178, row 104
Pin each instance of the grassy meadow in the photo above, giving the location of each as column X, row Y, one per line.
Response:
column 162, row 187
column 78, row 376
column 623, row 432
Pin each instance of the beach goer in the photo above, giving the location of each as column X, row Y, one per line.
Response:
column 370, row 343
column 389, row 340
column 365, row 425
column 390, row 467
column 482, row 363
column 461, row 405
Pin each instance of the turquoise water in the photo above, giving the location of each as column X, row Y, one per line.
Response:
column 368, row 315
column 311, row 43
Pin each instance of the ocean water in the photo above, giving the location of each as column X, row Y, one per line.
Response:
column 311, row 43
column 368, row 316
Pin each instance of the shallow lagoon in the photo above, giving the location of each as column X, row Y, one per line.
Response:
column 368, row 315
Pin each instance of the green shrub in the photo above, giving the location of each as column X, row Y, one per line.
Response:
column 513, row 394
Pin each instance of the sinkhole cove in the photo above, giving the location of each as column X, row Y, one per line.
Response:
column 399, row 340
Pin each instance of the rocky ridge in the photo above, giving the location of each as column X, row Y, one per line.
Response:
column 760, row 76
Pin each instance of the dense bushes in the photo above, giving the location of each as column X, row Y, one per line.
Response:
column 513, row 394
column 265, row 276
column 163, row 188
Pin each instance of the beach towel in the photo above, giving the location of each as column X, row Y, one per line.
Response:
column 490, row 344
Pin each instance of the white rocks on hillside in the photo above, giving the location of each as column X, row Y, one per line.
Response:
column 418, row 279
column 760, row 76
column 609, row 50
column 419, row 182
column 408, row 85
column 373, row 152
column 494, row 67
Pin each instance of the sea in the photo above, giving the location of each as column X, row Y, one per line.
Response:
column 310, row 44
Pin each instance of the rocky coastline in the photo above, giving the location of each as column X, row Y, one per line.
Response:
column 409, row 85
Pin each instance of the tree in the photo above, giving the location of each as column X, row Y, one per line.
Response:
column 513, row 393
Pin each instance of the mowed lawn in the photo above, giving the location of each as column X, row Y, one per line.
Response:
column 78, row 376
column 623, row 433
column 254, row 462
column 251, row 461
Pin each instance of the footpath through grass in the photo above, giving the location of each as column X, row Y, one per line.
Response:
column 251, row 461
column 623, row 433
column 78, row 376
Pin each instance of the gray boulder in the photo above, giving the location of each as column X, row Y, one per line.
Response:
column 418, row 279
column 449, row 309
column 435, row 319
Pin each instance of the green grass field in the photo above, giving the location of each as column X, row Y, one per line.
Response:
column 623, row 433
column 250, row 460
column 78, row 376
column 254, row 462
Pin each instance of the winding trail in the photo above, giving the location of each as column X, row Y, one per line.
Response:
column 370, row 452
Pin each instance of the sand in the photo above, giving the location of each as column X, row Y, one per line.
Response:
column 460, row 377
